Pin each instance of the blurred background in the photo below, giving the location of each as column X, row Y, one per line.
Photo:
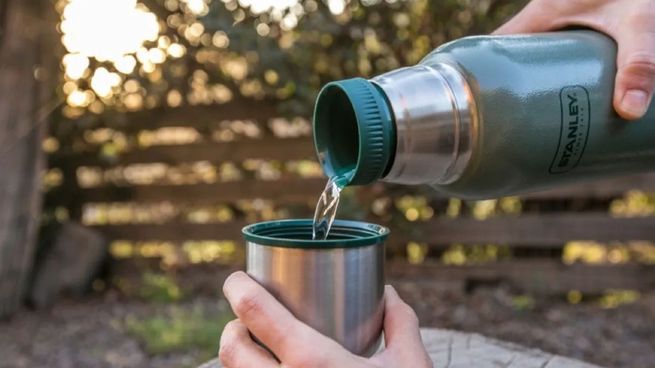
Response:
column 138, row 137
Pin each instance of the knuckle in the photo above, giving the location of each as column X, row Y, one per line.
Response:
column 642, row 63
column 248, row 305
column 228, row 353
column 227, row 345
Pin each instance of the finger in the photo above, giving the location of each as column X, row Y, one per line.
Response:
column 401, row 329
column 635, row 78
column 276, row 327
column 237, row 350
column 537, row 16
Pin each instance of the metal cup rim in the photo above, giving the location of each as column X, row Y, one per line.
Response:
column 344, row 233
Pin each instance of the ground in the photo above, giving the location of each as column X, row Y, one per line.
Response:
column 623, row 336
column 161, row 326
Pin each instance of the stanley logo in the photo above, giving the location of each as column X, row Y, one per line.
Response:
column 574, row 129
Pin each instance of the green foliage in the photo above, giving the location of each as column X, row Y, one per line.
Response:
column 161, row 288
column 257, row 55
column 610, row 299
column 179, row 330
column 523, row 302
column 615, row 298
column 368, row 38
column 459, row 254
column 634, row 204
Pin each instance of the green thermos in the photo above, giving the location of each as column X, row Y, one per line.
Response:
column 484, row 117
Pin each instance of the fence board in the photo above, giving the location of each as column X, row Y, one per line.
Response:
column 273, row 149
column 545, row 277
column 307, row 189
column 552, row 230
column 179, row 231
column 189, row 116
column 598, row 189
column 541, row 230
column 283, row 191
column 536, row 276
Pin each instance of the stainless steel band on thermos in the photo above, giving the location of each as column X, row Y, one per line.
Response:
column 435, row 120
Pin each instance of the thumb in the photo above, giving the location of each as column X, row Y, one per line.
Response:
column 635, row 78
column 401, row 329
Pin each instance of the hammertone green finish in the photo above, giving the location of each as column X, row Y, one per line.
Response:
column 529, row 90
column 297, row 233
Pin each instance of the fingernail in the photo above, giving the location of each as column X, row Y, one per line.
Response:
column 635, row 102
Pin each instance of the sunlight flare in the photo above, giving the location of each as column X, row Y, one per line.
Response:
column 107, row 29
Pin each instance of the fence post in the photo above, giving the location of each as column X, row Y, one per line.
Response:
column 22, row 126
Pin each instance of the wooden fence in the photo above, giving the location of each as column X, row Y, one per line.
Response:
column 531, row 230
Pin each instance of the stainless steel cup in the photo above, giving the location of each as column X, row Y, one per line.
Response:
column 335, row 286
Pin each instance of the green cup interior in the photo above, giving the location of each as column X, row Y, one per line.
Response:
column 298, row 234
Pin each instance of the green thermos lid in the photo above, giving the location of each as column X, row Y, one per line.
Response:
column 354, row 133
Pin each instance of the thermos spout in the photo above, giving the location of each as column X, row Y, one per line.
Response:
column 410, row 126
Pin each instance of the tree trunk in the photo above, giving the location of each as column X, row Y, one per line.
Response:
column 23, row 93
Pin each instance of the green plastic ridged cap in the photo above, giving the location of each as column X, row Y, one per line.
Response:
column 354, row 133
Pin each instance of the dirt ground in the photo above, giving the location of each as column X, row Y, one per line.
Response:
column 95, row 332
column 610, row 337
column 90, row 333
